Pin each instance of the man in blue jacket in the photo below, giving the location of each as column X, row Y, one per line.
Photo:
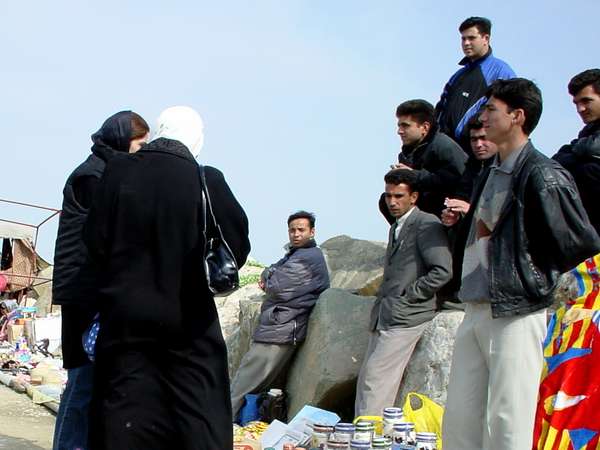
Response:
column 464, row 94
column 293, row 285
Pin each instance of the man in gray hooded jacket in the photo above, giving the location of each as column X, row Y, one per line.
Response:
column 292, row 285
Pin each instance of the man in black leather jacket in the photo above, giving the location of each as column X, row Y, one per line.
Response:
column 438, row 161
column 582, row 156
column 527, row 227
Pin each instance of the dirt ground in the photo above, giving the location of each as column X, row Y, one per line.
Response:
column 24, row 425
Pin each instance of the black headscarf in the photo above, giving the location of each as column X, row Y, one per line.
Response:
column 113, row 135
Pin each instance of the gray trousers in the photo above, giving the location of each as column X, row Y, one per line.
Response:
column 387, row 355
column 258, row 369
column 494, row 381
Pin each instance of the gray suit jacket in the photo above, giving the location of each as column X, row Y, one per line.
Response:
column 417, row 265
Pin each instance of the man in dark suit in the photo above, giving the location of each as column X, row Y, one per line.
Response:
column 417, row 265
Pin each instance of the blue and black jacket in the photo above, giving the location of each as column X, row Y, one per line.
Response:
column 464, row 94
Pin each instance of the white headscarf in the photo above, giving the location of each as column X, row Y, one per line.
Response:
column 183, row 124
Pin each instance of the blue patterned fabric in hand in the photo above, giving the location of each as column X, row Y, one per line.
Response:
column 89, row 338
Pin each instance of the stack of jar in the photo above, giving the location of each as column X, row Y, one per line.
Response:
column 397, row 435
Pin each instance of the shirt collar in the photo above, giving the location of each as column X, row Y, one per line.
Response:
column 508, row 165
column 400, row 220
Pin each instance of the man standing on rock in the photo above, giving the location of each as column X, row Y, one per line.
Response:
column 417, row 265
column 464, row 93
column 292, row 286
column 527, row 226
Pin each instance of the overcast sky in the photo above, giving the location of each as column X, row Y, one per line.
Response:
column 298, row 97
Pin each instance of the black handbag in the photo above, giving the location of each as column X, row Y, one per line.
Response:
column 220, row 266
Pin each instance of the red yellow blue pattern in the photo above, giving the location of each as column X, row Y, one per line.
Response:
column 568, row 411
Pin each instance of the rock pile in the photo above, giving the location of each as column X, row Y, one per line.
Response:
column 326, row 366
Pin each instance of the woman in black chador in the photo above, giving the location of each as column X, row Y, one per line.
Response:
column 162, row 379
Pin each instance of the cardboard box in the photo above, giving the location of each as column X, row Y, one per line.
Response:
column 14, row 332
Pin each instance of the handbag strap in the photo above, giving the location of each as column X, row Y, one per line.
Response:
column 206, row 205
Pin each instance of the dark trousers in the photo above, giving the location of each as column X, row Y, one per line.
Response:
column 151, row 397
column 72, row 420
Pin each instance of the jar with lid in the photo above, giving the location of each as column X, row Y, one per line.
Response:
column 344, row 431
column 364, row 431
column 402, row 434
column 320, row 435
column 391, row 416
column 426, row 441
column 381, row 443
column 356, row 444
column 334, row 444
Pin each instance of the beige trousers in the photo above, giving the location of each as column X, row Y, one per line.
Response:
column 494, row 381
column 387, row 355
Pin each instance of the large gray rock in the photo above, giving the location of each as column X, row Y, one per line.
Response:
column 325, row 368
column 354, row 264
column 239, row 341
column 229, row 307
column 428, row 371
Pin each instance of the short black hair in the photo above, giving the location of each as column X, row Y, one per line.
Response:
column 303, row 215
column 474, row 123
column 420, row 110
column 584, row 79
column 402, row 176
column 483, row 25
column 519, row 93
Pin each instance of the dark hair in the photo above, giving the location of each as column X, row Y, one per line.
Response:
column 483, row 25
column 420, row 110
column 519, row 93
column 139, row 127
column 474, row 123
column 303, row 215
column 402, row 176
column 584, row 79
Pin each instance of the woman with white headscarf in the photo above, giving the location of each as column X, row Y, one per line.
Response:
column 162, row 380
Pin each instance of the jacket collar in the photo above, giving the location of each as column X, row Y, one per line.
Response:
column 169, row 146
column 290, row 250
column 481, row 181
column 409, row 150
column 405, row 231
column 467, row 62
column 590, row 129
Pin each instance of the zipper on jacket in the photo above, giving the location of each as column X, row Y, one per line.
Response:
column 294, row 331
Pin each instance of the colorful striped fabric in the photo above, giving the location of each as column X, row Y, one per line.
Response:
column 568, row 411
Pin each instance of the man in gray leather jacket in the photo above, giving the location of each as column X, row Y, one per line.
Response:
column 526, row 226
column 293, row 285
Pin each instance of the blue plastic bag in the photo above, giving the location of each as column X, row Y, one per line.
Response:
column 249, row 411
